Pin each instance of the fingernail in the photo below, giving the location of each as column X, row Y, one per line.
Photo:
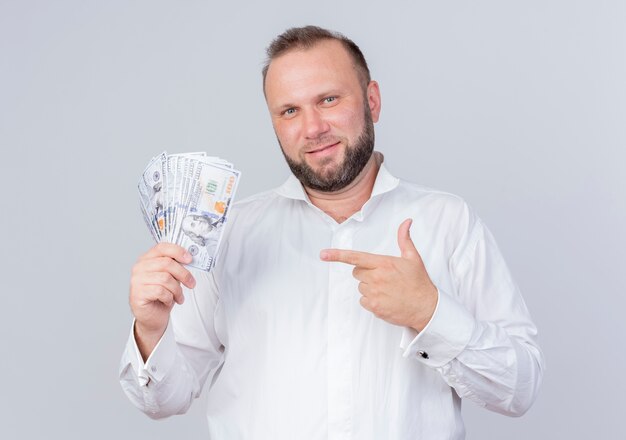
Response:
column 324, row 255
column 191, row 281
column 188, row 257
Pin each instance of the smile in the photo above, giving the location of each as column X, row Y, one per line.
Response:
column 326, row 148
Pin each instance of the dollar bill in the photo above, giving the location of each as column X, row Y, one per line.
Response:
column 201, row 228
column 185, row 199
column 151, row 194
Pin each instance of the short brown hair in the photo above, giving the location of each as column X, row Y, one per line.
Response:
column 308, row 36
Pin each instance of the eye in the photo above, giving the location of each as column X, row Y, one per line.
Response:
column 330, row 99
column 290, row 112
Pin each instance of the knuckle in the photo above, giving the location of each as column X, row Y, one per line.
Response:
column 180, row 270
column 188, row 277
column 379, row 314
column 179, row 293
column 136, row 285
column 156, row 265
column 398, row 264
column 377, row 308
column 383, row 277
column 170, row 265
column 164, row 248
column 162, row 292
column 162, row 277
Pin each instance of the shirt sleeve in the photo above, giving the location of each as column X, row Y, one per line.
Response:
column 481, row 337
column 188, row 354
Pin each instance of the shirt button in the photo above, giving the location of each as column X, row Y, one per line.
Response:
column 153, row 368
column 423, row 354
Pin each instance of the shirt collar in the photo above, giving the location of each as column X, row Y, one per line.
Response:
column 385, row 182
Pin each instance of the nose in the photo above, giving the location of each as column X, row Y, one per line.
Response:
column 314, row 124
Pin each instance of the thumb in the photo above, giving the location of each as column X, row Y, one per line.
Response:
column 407, row 248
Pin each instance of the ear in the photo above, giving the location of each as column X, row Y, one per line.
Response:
column 373, row 99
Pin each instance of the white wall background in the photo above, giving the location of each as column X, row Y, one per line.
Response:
column 520, row 107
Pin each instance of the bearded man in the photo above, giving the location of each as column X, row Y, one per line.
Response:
column 345, row 304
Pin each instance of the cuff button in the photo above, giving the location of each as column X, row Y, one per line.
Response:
column 423, row 354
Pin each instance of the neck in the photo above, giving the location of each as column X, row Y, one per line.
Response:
column 340, row 205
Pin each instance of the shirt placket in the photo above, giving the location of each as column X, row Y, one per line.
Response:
column 340, row 294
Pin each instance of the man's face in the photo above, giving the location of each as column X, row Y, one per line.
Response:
column 322, row 117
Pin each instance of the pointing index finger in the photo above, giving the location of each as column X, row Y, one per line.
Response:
column 355, row 258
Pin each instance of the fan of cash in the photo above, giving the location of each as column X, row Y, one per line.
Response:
column 185, row 199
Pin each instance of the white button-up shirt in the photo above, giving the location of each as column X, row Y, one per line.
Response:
column 287, row 351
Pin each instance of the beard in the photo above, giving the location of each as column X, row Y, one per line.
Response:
column 336, row 178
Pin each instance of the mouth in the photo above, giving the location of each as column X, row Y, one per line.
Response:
column 323, row 148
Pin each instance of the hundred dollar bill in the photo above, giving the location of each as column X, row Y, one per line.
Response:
column 186, row 169
column 170, row 195
column 151, row 194
column 212, row 189
column 184, row 199
column 147, row 221
column 184, row 182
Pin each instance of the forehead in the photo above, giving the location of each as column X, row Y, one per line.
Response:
column 325, row 65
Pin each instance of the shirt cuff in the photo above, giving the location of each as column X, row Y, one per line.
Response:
column 160, row 360
column 444, row 337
